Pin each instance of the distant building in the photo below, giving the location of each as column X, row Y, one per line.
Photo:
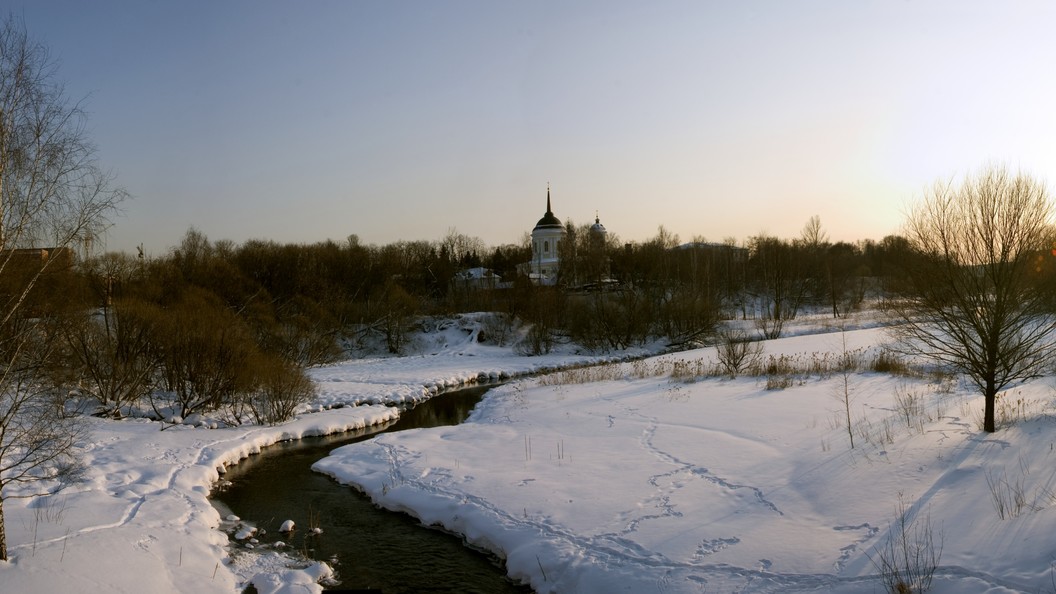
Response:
column 597, row 266
column 55, row 258
column 597, row 230
column 546, row 239
column 478, row 278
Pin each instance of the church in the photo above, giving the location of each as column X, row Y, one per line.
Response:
column 547, row 236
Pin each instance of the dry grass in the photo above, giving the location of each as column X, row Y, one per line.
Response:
column 780, row 371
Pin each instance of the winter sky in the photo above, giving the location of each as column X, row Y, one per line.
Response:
column 306, row 121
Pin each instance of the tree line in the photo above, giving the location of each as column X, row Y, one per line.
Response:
column 308, row 304
column 219, row 328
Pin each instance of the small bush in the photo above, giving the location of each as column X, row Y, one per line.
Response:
column 282, row 389
column 910, row 406
column 110, row 355
column 770, row 327
column 736, row 352
column 1009, row 498
column 205, row 354
column 907, row 560
column 496, row 328
column 302, row 332
column 539, row 340
column 888, row 362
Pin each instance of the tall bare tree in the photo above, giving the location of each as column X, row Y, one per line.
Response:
column 812, row 235
column 778, row 282
column 53, row 197
column 973, row 301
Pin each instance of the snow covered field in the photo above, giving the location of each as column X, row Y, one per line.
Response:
column 651, row 485
column 142, row 521
column 631, row 483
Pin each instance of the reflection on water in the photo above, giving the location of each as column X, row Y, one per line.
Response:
column 368, row 547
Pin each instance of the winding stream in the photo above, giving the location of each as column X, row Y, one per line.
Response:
column 368, row 547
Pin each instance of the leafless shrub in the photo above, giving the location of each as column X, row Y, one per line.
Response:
column 737, row 352
column 206, row 351
column 687, row 314
column 908, row 558
column 605, row 321
column 910, row 406
column 303, row 333
column 111, row 353
column 497, row 328
column 770, row 327
column 1009, row 497
column 539, row 340
column 878, row 433
column 282, row 388
column 398, row 309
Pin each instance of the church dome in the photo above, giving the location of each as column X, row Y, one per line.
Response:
column 548, row 220
column 597, row 227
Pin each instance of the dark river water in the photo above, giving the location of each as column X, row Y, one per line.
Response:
column 369, row 548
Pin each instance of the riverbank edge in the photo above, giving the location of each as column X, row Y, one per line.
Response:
column 428, row 389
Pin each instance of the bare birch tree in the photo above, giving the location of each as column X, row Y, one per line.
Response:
column 974, row 302
column 53, row 197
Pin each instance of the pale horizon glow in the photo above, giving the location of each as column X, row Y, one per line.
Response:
column 302, row 122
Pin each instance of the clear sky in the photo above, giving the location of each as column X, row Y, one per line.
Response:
column 307, row 121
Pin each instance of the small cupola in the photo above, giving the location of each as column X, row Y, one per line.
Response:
column 597, row 228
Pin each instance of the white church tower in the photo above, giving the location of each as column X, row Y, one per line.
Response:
column 546, row 237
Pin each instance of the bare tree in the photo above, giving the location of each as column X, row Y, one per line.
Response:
column 812, row 235
column 973, row 301
column 113, row 353
column 52, row 197
column 777, row 282
column 737, row 352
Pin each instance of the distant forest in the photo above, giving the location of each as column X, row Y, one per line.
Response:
column 212, row 322
column 304, row 301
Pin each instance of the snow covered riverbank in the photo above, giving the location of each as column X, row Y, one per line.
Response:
column 638, row 484
column 595, row 482
column 142, row 522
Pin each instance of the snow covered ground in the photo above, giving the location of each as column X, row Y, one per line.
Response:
column 633, row 482
column 643, row 484
column 448, row 354
column 142, row 521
